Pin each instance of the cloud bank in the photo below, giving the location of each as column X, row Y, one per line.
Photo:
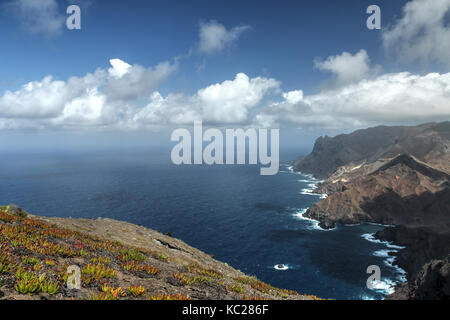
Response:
column 126, row 97
column 396, row 97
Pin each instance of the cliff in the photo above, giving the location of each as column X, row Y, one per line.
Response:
column 428, row 143
column 117, row 260
column 392, row 176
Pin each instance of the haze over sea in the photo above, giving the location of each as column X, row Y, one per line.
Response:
column 250, row 221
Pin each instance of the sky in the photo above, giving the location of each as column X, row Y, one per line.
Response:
column 136, row 70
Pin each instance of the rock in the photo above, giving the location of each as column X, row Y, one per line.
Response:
column 401, row 192
column 428, row 142
column 15, row 210
column 431, row 283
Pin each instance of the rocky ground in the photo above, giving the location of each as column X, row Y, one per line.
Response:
column 118, row 260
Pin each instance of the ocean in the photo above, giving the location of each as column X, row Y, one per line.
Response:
column 250, row 221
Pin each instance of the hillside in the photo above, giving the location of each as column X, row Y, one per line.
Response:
column 401, row 192
column 429, row 143
column 118, row 260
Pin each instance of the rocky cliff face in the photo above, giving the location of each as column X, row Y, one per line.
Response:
column 432, row 282
column 401, row 192
column 393, row 176
column 429, row 143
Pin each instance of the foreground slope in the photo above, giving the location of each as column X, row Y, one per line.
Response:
column 118, row 260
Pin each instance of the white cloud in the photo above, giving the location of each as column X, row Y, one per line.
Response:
column 214, row 37
column 228, row 102
column 126, row 97
column 103, row 98
column 111, row 99
column 41, row 16
column 346, row 67
column 399, row 97
column 423, row 32
column 119, row 68
column 134, row 82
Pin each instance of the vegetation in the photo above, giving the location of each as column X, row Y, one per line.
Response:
column 35, row 256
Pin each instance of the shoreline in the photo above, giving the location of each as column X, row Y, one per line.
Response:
column 386, row 286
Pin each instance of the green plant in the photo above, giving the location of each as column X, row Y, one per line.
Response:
column 188, row 280
column 131, row 255
column 136, row 266
column 28, row 283
column 5, row 267
column 236, row 288
column 97, row 272
column 103, row 296
column 159, row 256
column 196, row 268
column 50, row 287
column 136, row 290
column 114, row 292
column 50, row 262
column 102, row 260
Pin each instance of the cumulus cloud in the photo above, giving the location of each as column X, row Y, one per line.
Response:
column 134, row 82
column 42, row 17
column 228, row 102
column 102, row 98
column 398, row 97
column 214, row 37
column 346, row 67
column 125, row 97
column 423, row 32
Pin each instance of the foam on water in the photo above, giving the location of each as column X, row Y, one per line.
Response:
column 371, row 237
column 384, row 286
column 281, row 267
column 389, row 259
column 314, row 224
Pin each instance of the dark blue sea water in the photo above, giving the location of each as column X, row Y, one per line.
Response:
column 247, row 220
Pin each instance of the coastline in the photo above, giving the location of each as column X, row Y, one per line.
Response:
column 386, row 286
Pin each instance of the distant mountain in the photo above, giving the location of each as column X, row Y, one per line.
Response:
column 429, row 143
column 393, row 176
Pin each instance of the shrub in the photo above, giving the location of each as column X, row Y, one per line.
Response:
column 136, row 290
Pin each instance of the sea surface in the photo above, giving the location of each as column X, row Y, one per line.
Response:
column 250, row 221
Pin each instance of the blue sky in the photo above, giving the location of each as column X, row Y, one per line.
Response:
column 285, row 38
column 316, row 50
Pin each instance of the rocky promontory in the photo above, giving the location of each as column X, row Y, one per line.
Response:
column 396, row 176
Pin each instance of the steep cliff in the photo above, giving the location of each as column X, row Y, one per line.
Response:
column 429, row 143
column 392, row 176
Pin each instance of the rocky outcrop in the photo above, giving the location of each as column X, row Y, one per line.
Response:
column 401, row 192
column 432, row 282
column 392, row 176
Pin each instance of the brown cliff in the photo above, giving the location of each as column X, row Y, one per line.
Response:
column 392, row 176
